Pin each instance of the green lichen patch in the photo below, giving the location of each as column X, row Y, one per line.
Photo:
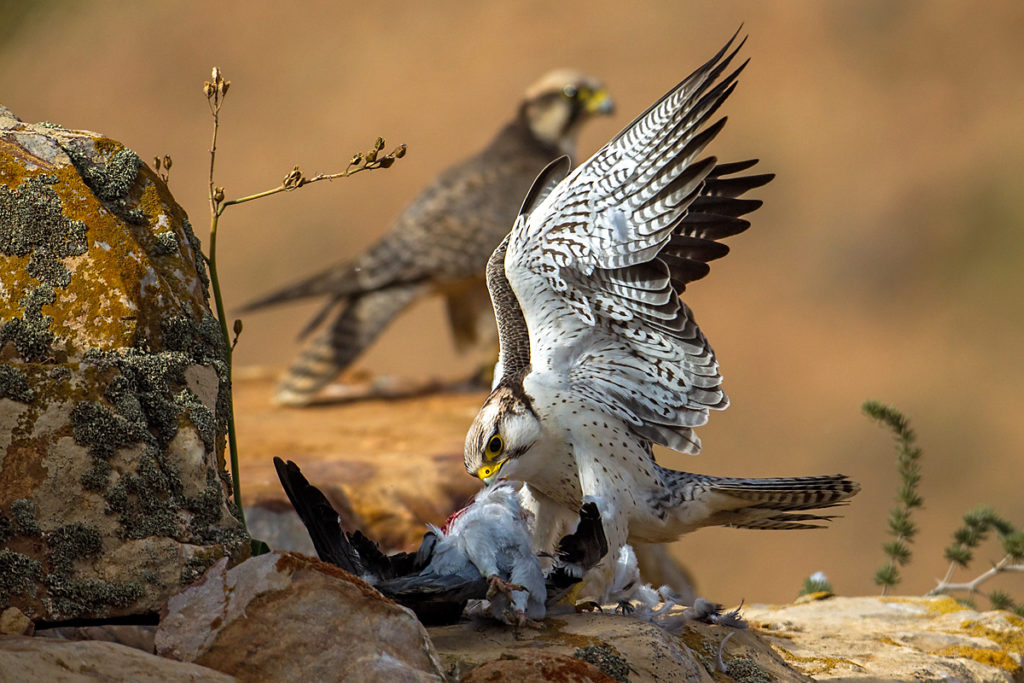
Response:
column 109, row 175
column 14, row 385
column 32, row 223
column 812, row 665
column 97, row 477
column 31, row 333
column 72, row 542
column 196, row 566
column 18, row 575
column 202, row 417
column 72, row 596
column 102, row 431
column 166, row 244
column 23, row 511
column 6, row 528
column 987, row 656
column 1011, row 639
column 198, row 257
column 88, row 596
column 147, row 499
column 746, row 670
column 606, row 659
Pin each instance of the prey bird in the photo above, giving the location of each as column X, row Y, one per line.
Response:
column 482, row 552
column 600, row 359
column 441, row 242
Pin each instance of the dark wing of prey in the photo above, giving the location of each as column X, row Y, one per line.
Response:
column 355, row 553
column 577, row 553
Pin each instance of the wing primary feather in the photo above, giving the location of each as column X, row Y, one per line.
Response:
column 320, row 519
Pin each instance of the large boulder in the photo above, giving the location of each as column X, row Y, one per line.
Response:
column 285, row 617
column 114, row 394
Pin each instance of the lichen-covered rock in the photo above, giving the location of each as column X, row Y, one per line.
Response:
column 285, row 617
column 894, row 639
column 113, row 391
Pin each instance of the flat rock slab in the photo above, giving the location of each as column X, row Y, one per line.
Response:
column 893, row 639
column 621, row 647
column 60, row 661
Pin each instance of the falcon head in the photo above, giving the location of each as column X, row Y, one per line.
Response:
column 504, row 429
column 556, row 106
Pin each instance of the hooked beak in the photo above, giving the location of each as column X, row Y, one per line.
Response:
column 488, row 474
column 600, row 102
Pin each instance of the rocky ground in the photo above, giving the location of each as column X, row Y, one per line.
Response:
column 284, row 616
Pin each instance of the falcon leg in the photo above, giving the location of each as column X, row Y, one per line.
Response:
column 519, row 620
column 500, row 585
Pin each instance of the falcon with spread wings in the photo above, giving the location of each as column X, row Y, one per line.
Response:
column 600, row 359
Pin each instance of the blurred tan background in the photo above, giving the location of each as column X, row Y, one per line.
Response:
column 886, row 262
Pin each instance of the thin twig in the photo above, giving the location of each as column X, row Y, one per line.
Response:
column 302, row 182
column 972, row 586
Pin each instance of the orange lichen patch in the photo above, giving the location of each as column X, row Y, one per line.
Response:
column 815, row 665
column 1011, row 639
column 989, row 657
column 938, row 605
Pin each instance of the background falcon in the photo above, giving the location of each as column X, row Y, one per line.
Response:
column 441, row 242
column 599, row 357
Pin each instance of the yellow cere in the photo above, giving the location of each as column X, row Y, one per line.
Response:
column 488, row 471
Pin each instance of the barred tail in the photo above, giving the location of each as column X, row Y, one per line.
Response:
column 770, row 503
column 342, row 341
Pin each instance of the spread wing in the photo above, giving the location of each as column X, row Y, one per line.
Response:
column 596, row 260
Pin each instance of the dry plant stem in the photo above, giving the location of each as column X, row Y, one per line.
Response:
column 216, row 208
column 350, row 171
column 215, row 92
column 972, row 586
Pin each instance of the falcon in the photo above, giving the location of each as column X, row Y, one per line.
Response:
column 440, row 244
column 600, row 359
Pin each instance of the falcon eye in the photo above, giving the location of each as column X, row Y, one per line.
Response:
column 570, row 91
column 495, row 446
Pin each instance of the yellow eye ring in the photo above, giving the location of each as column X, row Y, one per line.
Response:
column 494, row 446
